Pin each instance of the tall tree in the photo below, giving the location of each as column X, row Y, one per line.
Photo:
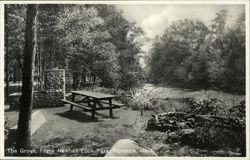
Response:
column 216, row 52
column 194, row 55
column 124, row 35
column 87, row 45
column 49, row 54
column 26, row 104
column 6, row 56
column 14, row 34
column 234, row 51
column 226, row 53
column 177, row 56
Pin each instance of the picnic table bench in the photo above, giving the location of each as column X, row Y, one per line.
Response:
column 93, row 101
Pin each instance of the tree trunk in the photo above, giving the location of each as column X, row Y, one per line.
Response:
column 15, row 73
column 142, row 109
column 43, row 62
column 39, row 63
column 26, row 103
column 75, row 77
column 93, row 83
column 6, row 56
column 19, row 74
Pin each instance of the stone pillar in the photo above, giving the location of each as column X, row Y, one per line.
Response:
column 54, row 80
column 54, row 89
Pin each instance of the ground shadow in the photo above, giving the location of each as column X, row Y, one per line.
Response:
column 106, row 116
column 78, row 116
column 10, row 136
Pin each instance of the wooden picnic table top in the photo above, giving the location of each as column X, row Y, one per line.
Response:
column 96, row 95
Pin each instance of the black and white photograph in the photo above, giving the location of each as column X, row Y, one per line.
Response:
column 125, row 79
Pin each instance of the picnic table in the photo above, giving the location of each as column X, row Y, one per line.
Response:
column 93, row 101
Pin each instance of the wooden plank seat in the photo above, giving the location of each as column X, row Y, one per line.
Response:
column 114, row 105
column 86, row 108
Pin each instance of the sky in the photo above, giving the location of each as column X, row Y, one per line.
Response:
column 154, row 18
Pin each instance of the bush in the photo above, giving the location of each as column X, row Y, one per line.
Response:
column 211, row 106
column 201, row 131
column 220, row 132
column 238, row 110
column 142, row 99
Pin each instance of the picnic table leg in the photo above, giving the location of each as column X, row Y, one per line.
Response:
column 93, row 109
column 110, row 110
column 93, row 114
column 72, row 99
column 88, row 101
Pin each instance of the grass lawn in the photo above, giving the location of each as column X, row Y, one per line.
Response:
column 76, row 134
column 76, row 130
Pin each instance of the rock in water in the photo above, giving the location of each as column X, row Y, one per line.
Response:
column 129, row 148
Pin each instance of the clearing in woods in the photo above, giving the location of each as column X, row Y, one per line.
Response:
column 65, row 132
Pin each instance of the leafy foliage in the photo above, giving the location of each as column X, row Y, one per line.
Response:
column 92, row 42
column 175, row 51
column 14, row 39
column 190, row 54
column 212, row 106
column 219, row 126
column 86, row 44
column 238, row 110
column 143, row 100
column 124, row 35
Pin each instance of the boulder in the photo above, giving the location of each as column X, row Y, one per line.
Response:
column 129, row 148
column 37, row 120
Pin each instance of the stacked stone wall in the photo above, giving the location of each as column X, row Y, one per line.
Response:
column 54, row 90
column 17, row 87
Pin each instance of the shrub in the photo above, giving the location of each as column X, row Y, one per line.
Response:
column 219, row 133
column 238, row 110
column 143, row 100
column 211, row 106
column 123, row 96
column 201, row 131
